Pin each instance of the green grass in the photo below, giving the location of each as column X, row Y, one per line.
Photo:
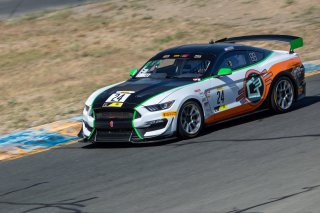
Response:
column 168, row 38
column 61, row 15
column 260, row 19
column 309, row 11
column 290, row 2
column 12, row 102
column 199, row 3
column 100, row 52
column 248, row 1
column 147, row 18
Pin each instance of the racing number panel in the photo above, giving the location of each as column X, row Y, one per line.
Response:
column 223, row 97
column 239, row 92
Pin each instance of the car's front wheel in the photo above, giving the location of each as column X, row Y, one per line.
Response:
column 190, row 120
column 282, row 96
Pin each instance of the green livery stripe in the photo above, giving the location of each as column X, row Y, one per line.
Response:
column 296, row 43
column 137, row 132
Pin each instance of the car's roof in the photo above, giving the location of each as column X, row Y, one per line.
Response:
column 206, row 49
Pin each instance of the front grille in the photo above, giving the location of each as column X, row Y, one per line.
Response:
column 113, row 124
column 113, row 120
column 107, row 115
column 112, row 136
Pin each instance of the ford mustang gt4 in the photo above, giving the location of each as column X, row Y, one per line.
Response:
column 182, row 89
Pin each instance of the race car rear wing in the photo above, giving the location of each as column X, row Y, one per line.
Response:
column 294, row 41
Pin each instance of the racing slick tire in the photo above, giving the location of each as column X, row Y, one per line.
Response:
column 282, row 95
column 190, row 120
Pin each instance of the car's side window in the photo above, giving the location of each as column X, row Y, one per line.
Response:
column 255, row 56
column 234, row 61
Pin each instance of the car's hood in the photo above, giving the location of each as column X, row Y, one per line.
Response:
column 139, row 90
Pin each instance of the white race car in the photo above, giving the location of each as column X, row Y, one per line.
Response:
column 181, row 89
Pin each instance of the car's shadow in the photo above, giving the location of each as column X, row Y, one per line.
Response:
column 307, row 101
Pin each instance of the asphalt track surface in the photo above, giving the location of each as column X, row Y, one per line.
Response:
column 259, row 163
column 11, row 8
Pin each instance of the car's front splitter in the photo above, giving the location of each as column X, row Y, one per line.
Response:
column 103, row 136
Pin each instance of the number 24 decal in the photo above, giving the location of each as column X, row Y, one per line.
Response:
column 220, row 94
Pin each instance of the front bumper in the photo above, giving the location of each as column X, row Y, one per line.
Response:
column 121, row 125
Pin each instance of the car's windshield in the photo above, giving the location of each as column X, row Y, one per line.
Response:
column 174, row 67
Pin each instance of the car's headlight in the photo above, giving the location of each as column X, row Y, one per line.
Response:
column 158, row 107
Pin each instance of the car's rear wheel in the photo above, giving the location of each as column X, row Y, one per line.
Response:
column 282, row 96
column 190, row 120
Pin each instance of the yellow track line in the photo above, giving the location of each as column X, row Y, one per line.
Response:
column 37, row 151
column 312, row 73
column 63, row 127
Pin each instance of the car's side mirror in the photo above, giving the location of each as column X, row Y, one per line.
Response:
column 224, row 71
column 133, row 71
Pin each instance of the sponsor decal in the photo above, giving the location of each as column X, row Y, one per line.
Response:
column 221, row 108
column 114, row 104
column 117, row 99
column 196, row 79
column 197, row 90
column 144, row 72
column 184, row 55
column 111, row 124
column 197, row 56
column 169, row 114
column 166, row 56
column 220, row 88
column 254, row 88
column 176, row 56
column 253, row 57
